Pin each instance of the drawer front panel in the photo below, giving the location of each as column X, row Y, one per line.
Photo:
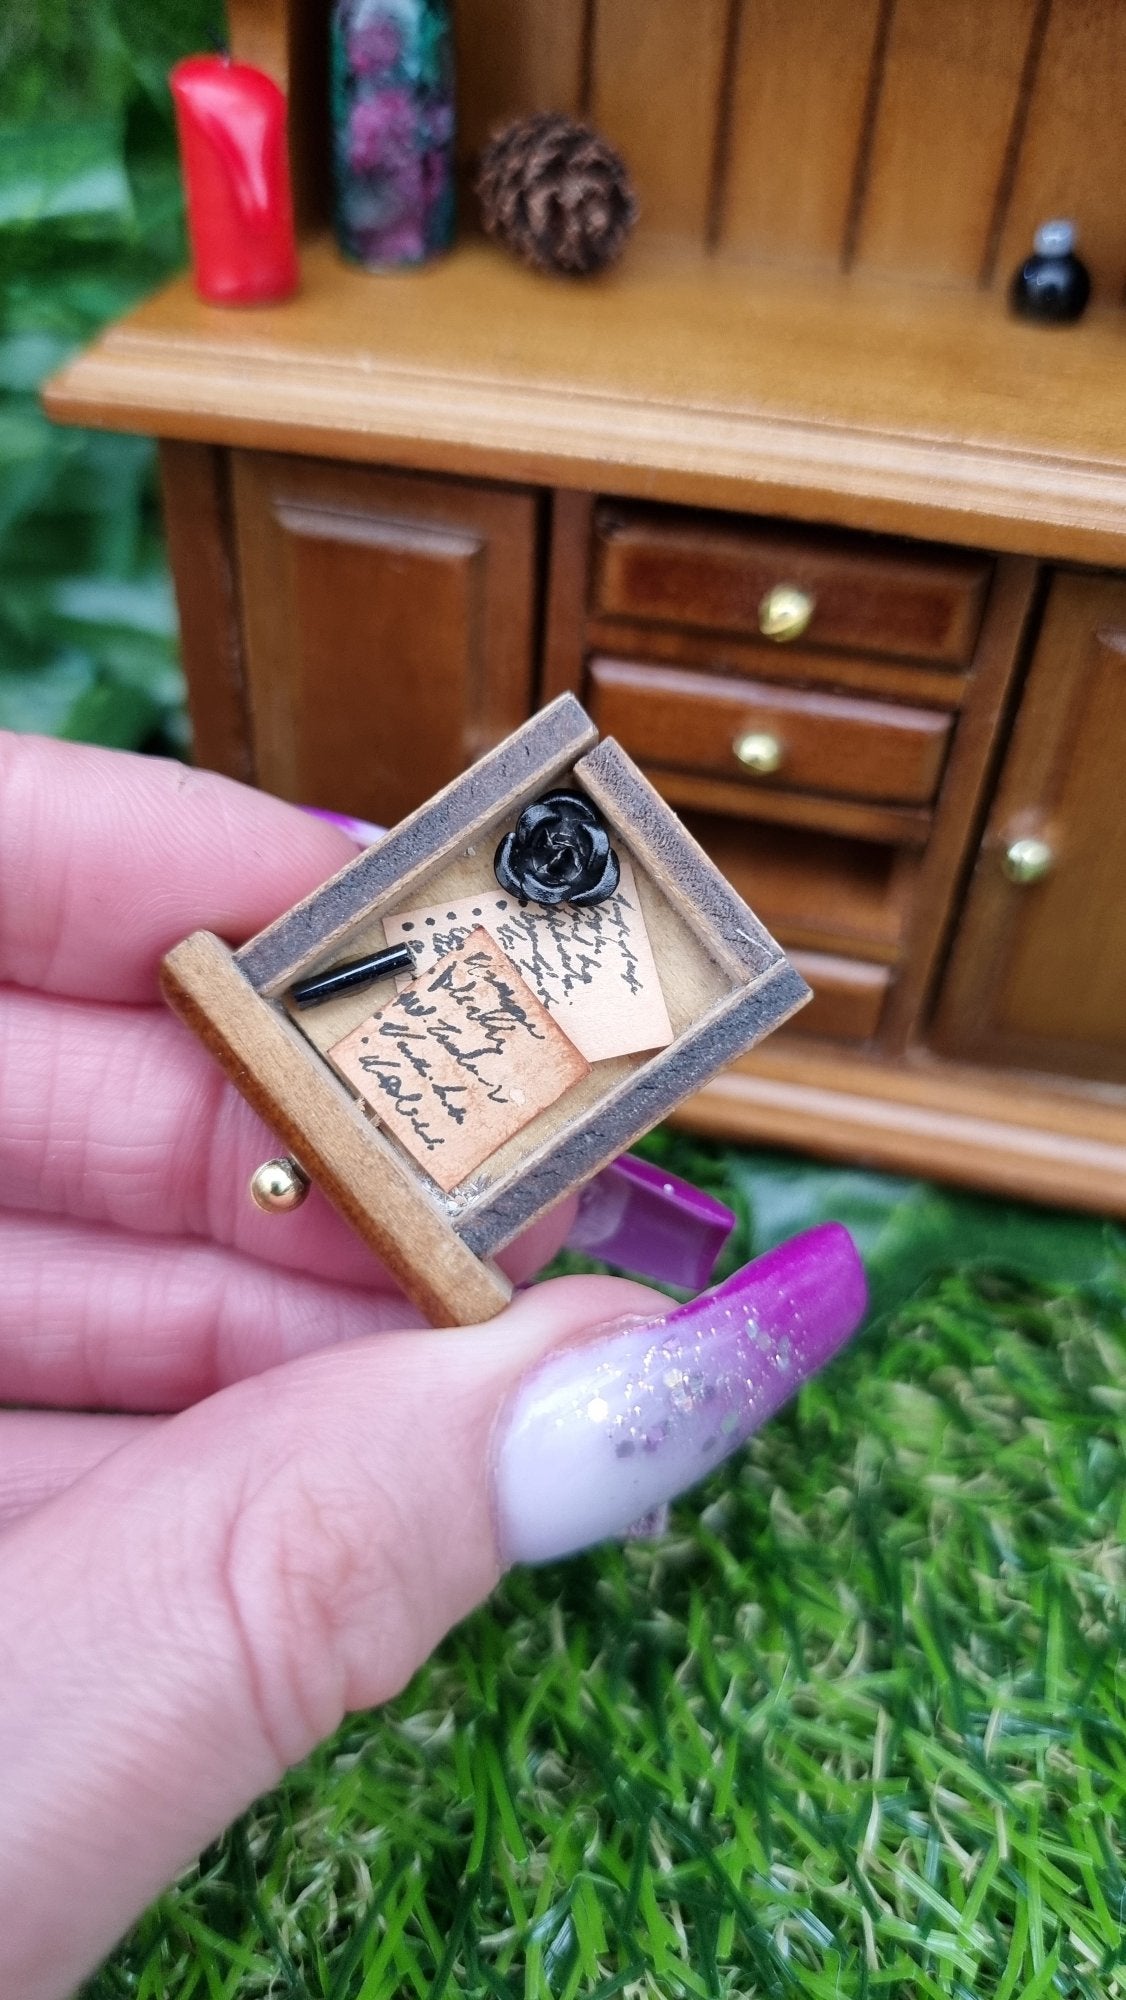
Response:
column 388, row 626
column 1037, row 975
column 818, row 892
column 771, row 736
column 866, row 593
column 848, row 997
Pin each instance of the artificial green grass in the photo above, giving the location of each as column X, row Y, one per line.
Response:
column 855, row 1726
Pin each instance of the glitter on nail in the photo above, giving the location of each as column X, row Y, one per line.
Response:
column 601, row 1435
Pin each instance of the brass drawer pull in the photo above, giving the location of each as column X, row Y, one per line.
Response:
column 1027, row 860
column 278, row 1186
column 759, row 751
column 785, row 612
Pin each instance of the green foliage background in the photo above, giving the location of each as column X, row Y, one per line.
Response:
column 91, row 218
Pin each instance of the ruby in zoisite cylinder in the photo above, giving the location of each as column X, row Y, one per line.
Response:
column 393, row 129
column 231, row 121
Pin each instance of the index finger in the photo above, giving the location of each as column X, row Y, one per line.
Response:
column 108, row 859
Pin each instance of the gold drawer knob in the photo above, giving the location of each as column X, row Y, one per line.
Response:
column 278, row 1186
column 759, row 751
column 785, row 612
column 1027, row 860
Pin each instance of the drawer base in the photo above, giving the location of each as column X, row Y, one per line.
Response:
column 974, row 1128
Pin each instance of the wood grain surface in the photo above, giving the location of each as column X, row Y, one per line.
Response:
column 713, row 573
column 195, row 490
column 515, row 57
column 907, row 826
column 949, row 96
column 848, row 997
column 1029, row 1139
column 1038, row 974
column 307, row 936
column 565, row 614
column 814, row 891
column 656, row 89
column 970, row 769
column 1072, row 159
column 926, row 137
column 757, row 659
column 800, row 91
column 375, row 1189
column 836, row 744
column 880, row 406
column 381, row 610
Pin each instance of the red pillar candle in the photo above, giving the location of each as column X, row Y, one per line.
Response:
column 231, row 123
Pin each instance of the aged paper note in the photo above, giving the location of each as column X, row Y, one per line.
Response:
column 460, row 1060
column 592, row 969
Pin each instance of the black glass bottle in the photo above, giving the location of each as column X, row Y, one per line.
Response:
column 1053, row 284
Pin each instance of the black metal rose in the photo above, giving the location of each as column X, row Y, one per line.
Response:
column 559, row 852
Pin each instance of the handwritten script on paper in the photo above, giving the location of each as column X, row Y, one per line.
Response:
column 460, row 1060
column 593, row 969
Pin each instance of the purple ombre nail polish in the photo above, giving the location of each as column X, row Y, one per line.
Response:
column 363, row 831
column 602, row 1434
column 650, row 1222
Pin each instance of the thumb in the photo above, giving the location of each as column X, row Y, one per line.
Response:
column 193, row 1615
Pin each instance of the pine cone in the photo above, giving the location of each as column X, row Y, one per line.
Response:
column 557, row 193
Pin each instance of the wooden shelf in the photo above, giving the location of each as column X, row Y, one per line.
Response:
column 871, row 403
column 1020, row 1135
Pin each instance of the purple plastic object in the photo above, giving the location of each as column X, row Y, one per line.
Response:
column 363, row 831
column 652, row 1223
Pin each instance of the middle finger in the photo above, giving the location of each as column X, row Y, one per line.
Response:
column 118, row 1116
column 93, row 1319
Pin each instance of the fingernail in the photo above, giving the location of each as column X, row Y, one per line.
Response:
column 364, row 832
column 652, row 1223
column 600, row 1435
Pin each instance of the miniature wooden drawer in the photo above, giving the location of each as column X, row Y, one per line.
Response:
column 866, row 593
column 848, row 997
column 771, row 735
column 441, row 1142
column 839, row 906
column 821, row 893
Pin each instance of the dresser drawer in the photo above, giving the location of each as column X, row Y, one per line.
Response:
column 864, row 592
column 818, row 892
column 771, row 736
column 848, row 997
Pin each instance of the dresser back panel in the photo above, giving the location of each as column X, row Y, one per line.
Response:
column 916, row 138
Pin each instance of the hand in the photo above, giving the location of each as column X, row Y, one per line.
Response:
column 192, row 1600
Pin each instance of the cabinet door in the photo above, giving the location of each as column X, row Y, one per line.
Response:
column 1038, row 972
column 389, row 627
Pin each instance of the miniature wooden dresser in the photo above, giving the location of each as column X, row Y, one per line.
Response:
column 821, row 534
